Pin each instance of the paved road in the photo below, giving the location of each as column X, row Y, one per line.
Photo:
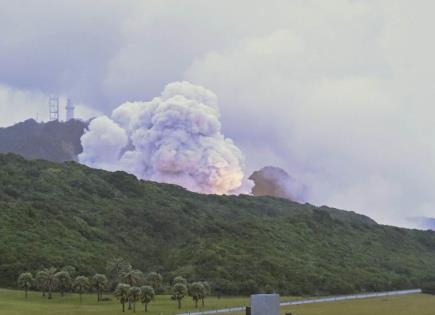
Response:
column 311, row 301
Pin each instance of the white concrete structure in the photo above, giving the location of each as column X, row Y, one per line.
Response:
column 265, row 304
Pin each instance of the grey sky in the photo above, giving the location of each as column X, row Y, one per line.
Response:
column 339, row 93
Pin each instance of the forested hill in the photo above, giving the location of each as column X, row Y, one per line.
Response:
column 53, row 141
column 67, row 214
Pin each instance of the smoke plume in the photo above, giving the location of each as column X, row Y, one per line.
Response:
column 175, row 138
column 275, row 182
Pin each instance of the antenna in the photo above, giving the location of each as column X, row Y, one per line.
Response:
column 53, row 107
column 69, row 109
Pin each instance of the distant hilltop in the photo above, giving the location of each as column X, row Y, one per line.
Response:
column 424, row 222
column 54, row 141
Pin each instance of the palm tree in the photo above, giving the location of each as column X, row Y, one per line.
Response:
column 133, row 296
column 207, row 292
column 64, row 281
column 114, row 268
column 179, row 291
column 146, row 295
column 50, row 280
column 121, row 293
column 40, row 280
column 81, row 285
column 25, row 281
column 180, row 279
column 155, row 280
column 196, row 291
column 133, row 277
column 100, row 282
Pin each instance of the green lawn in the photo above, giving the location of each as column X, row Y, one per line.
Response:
column 13, row 303
column 417, row 304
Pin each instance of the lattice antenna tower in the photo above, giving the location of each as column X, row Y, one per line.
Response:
column 53, row 106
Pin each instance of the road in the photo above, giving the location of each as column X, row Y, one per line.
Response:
column 311, row 301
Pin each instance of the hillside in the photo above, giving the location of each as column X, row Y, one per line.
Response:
column 58, row 214
column 53, row 141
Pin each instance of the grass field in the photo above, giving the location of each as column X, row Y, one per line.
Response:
column 13, row 303
column 417, row 304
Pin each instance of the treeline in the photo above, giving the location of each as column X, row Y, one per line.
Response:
column 59, row 214
column 129, row 285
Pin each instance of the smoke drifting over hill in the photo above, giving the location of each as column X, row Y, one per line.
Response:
column 275, row 182
column 175, row 138
column 338, row 93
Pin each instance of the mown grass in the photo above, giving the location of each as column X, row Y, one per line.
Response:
column 417, row 304
column 13, row 303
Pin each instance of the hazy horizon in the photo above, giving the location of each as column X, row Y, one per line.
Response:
column 338, row 94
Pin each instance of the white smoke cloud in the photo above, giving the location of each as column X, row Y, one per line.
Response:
column 343, row 103
column 175, row 138
column 103, row 144
column 274, row 181
column 338, row 93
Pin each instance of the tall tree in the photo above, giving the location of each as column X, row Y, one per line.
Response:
column 134, row 296
column 63, row 281
column 100, row 283
column 81, row 285
column 196, row 291
column 180, row 279
column 133, row 277
column 40, row 281
column 207, row 292
column 179, row 291
column 25, row 281
column 50, row 280
column 147, row 294
column 71, row 270
column 121, row 293
column 114, row 268
column 155, row 280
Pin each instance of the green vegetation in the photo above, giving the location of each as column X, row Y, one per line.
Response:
column 121, row 293
column 63, row 281
column 25, row 280
column 147, row 294
column 81, row 285
column 196, row 291
column 13, row 302
column 179, row 291
column 67, row 214
column 100, row 283
column 138, row 287
column 53, row 141
column 155, row 280
column 418, row 304
column 134, row 296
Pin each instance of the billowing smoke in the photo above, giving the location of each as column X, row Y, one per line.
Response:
column 275, row 182
column 175, row 138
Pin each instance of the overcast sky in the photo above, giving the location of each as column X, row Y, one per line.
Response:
column 339, row 93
